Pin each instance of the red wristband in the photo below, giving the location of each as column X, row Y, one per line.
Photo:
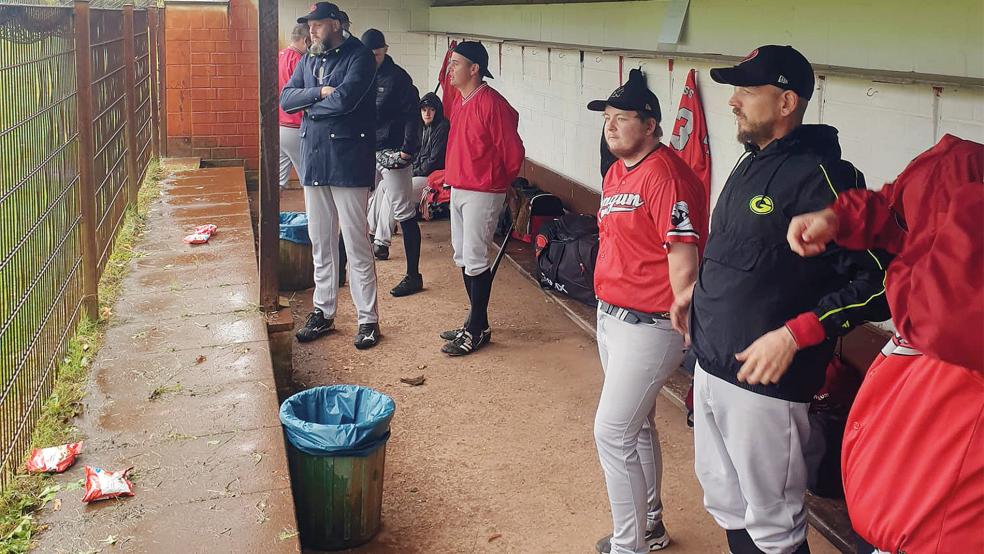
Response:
column 806, row 329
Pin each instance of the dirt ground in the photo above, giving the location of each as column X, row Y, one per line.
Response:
column 494, row 453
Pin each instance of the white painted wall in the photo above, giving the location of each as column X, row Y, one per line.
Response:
column 882, row 126
column 395, row 18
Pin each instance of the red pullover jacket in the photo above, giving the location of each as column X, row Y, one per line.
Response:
column 913, row 457
column 485, row 152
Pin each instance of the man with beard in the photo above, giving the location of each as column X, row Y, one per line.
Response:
column 397, row 142
column 484, row 155
column 764, row 321
column 652, row 226
column 333, row 86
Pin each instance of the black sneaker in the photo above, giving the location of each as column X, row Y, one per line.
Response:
column 656, row 538
column 452, row 334
column 368, row 336
column 409, row 285
column 465, row 343
column 317, row 326
column 381, row 251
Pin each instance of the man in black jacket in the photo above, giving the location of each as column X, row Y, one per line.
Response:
column 333, row 86
column 397, row 142
column 763, row 320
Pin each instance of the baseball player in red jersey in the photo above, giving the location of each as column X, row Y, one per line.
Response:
column 290, row 124
column 484, row 156
column 913, row 458
column 652, row 222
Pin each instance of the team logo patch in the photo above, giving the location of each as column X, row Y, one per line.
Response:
column 680, row 217
column 751, row 55
column 761, row 205
column 619, row 203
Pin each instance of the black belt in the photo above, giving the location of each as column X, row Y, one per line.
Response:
column 631, row 316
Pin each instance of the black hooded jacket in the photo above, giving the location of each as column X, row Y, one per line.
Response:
column 751, row 282
column 433, row 140
column 397, row 111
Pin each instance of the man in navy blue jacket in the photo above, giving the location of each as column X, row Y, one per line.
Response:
column 334, row 87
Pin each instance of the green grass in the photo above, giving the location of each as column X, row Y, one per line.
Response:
column 26, row 494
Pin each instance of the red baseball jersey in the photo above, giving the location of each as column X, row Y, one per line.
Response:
column 645, row 208
column 286, row 62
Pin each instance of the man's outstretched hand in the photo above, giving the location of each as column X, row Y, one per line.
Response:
column 809, row 234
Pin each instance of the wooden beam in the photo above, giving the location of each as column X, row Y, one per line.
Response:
column 269, row 212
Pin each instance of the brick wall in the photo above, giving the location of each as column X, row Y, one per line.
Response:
column 212, row 84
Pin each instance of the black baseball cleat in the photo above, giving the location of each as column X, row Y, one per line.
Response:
column 465, row 343
column 368, row 336
column 381, row 251
column 409, row 285
column 656, row 539
column 452, row 334
column 317, row 326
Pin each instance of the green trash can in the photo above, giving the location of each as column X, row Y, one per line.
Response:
column 337, row 451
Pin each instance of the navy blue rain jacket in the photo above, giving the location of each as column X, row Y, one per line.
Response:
column 338, row 132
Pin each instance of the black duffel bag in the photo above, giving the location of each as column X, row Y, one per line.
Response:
column 566, row 252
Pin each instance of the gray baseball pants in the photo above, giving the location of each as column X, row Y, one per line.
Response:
column 332, row 210
column 474, row 216
column 290, row 153
column 748, row 455
column 637, row 360
column 393, row 202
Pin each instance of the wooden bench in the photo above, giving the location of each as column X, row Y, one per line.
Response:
column 858, row 348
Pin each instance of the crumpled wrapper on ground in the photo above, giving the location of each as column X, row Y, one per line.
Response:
column 55, row 459
column 202, row 234
column 102, row 485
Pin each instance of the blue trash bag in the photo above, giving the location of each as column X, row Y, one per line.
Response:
column 339, row 420
column 294, row 227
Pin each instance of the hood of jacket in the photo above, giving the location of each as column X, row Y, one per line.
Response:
column 435, row 101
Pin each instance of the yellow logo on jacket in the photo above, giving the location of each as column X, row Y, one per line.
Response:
column 761, row 205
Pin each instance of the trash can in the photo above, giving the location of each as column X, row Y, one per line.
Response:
column 336, row 450
column 296, row 270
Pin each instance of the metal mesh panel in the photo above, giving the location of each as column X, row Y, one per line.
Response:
column 142, row 103
column 40, row 241
column 109, row 126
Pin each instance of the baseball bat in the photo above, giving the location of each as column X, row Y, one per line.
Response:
column 502, row 248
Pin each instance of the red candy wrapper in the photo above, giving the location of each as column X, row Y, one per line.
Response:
column 101, row 484
column 202, row 234
column 55, row 459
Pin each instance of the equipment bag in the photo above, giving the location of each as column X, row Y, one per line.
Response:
column 531, row 208
column 566, row 252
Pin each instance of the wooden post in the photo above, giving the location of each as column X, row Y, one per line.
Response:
column 86, row 188
column 129, row 71
column 162, row 74
column 152, row 74
column 269, row 212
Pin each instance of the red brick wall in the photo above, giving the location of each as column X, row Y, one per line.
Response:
column 212, row 84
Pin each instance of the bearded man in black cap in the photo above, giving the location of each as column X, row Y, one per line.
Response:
column 652, row 225
column 764, row 321
column 334, row 88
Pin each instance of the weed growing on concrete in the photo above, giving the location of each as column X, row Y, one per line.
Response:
column 26, row 494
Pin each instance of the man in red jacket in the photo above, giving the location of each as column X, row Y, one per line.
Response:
column 484, row 155
column 290, row 124
column 913, row 458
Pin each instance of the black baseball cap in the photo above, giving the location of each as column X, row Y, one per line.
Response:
column 373, row 39
column 634, row 96
column 780, row 66
column 476, row 53
column 322, row 10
